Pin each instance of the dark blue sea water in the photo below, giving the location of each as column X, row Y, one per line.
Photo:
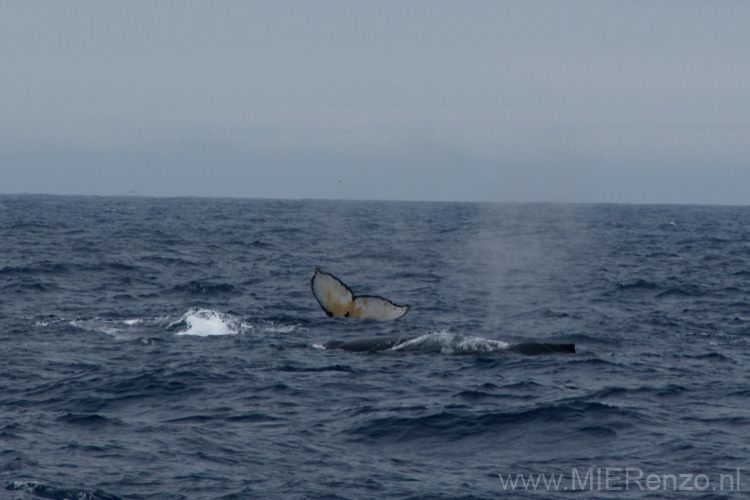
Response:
column 170, row 349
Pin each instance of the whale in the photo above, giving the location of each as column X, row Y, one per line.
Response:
column 368, row 344
column 385, row 343
column 337, row 300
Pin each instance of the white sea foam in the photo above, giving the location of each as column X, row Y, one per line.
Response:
column 119, row 329
column 199, row 322
column 207, row 322
column 96, row 325
column 444, row 342
column 270, row 327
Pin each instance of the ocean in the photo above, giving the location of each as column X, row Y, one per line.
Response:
column 155, row 348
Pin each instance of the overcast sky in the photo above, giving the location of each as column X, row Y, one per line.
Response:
column 601, row 101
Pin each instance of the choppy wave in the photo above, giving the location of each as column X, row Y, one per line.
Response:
column 197, row 287
column 454, row 425
column 51, row 492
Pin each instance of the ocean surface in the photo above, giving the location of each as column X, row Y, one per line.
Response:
column 172, row 349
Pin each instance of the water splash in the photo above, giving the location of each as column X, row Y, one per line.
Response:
column 207, row 322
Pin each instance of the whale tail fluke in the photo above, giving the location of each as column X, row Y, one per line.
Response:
column 337, row 299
